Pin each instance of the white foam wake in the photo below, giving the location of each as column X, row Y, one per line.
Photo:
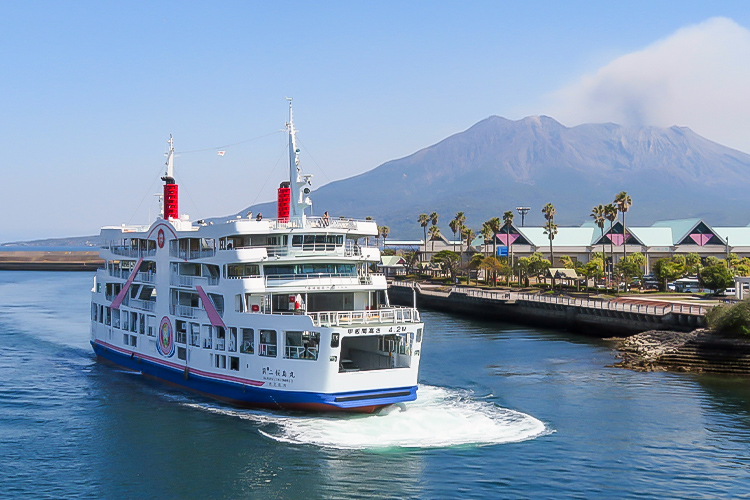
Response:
column 439, row 418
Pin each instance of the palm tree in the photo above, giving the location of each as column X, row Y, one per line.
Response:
column 623, row 203
column 468, row 235
column 384, row 230
column 507, row 222
column 434, row 234
column 423, row 220
column 494, row 225
column 457, row 226
column 598, row 215
column 486, row 232
column 434, row 218
column 550, row 228
column 610, row 213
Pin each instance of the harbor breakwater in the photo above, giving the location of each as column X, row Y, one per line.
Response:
column 597, row 317
column 32, row 260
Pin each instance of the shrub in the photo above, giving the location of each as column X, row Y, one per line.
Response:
column 730, row 319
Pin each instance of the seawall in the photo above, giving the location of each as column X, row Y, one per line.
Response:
column 601, row 318
column 33, row 260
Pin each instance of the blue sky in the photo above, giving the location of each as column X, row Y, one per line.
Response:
column 90, row 91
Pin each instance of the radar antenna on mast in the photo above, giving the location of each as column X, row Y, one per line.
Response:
column 299, row 183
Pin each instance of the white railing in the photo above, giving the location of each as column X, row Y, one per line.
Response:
column 267, row 350
column 301, row 352
column 314, row 279
column 191, row 281
column 127, row 251
column 146, row 277
column 145, row 305
column 187, row 311
column 390, row 315
column 193, row 254
column 659, row 309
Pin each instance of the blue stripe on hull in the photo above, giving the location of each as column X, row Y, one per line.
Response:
column 250, row 396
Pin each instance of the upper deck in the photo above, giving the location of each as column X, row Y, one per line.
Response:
column 247, row 240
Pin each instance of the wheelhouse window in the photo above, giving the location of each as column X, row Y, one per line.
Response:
column 268, row 345
column 235, row 271
column 302, row 345
column 317, row 242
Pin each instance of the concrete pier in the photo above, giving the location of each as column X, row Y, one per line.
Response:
column 601, row 318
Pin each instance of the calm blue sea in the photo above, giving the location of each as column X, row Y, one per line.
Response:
column 504, row 412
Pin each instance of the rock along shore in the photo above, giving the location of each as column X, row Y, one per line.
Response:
column 699, row 351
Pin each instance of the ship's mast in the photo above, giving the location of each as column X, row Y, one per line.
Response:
column 299, row 182
column 171, row 209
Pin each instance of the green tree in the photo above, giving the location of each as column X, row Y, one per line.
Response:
column 623, row 203
column 631, row 266
column 567, row 262
column 448, row 262
column 666, row 269
column 716, row 276
column 491, row 266
column 538, row 265
column 476, row 263
column 692, row 263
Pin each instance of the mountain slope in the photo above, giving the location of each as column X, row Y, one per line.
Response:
column 499, row 164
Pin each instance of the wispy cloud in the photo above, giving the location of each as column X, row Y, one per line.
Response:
column 697, row 77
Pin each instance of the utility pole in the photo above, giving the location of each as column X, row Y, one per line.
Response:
column 522, row 211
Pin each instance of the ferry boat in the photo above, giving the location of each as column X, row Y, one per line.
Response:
column 281, row 312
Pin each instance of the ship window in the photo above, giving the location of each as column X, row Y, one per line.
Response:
column 134, row 322
column 267, row 346
column 108, row 317
column 220, row 337
column 94, row 311
column 125, row 320
column 195, row 334
column 220, row 361
column 234, row 363
column 419, row 335
column 248, row 341
column 116, row 318
column 207, row 336
column 334, row 341
column 181, row 353
column 302, row 345
column 181, row 332
column 232, row 339
column 151, row 321
column 142, row 324
column 101, row 314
